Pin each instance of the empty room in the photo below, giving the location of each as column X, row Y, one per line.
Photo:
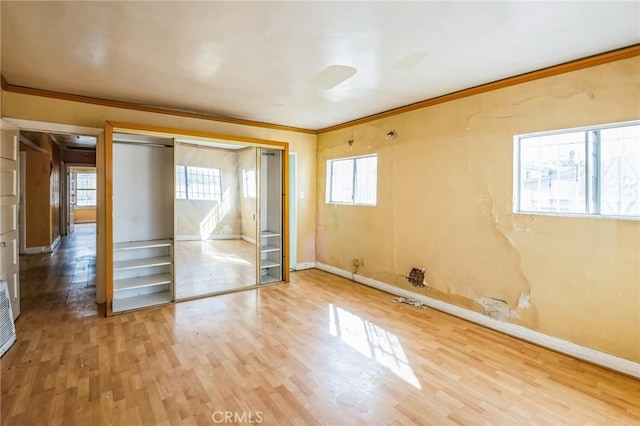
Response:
column 320, row 213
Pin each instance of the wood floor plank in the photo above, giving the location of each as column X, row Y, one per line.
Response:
column 320, row 350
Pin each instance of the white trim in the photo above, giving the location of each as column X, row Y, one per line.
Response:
column 212, row 237
column 42, row 126
column 577, row 351
column 55, row 243
column 249, row 240
column 43, row 249
column 22, row 164
column 305, row 265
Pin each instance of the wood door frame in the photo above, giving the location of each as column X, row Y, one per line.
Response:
column 104, row 166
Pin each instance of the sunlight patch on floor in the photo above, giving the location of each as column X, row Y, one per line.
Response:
column 372, row 341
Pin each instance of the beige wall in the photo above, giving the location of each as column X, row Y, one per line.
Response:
column 54, row 193
column 37, row 219
column 444, row 204
column 84, row 215
column 42, row 193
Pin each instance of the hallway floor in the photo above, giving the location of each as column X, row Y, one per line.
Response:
column 63, row 282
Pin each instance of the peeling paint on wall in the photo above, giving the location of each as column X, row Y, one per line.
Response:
column 523, row 301
column 496, row 308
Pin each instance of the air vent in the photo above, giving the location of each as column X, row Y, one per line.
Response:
column 7, row 327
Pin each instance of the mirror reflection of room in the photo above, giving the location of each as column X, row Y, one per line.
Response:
column 215, row 202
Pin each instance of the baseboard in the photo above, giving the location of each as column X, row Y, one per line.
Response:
column 305, row 265
column 572, row 349
column 43, row 249
column 249, row 240
column 55, row 243
column 212, row 237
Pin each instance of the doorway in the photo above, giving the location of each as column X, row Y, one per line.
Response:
column 47, row 150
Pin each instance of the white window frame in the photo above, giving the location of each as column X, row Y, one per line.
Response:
column 593, row 172
column 329, row 176
column 78, row 190
column 215, row 196
column 245, row 183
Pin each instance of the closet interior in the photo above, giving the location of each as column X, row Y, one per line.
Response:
column 193, row 218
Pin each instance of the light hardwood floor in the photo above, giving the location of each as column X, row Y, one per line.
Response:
column 320, row 350
column 204, row 267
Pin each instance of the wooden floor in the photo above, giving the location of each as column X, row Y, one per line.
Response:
column 320, row 350
column 204, row 267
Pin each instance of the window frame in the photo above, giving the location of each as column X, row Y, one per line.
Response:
column 329, row 180
column 78, row 190
column 593, row 172
column 216, row 196
column 245, row 183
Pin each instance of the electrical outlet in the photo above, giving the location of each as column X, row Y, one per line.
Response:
column 361, row 261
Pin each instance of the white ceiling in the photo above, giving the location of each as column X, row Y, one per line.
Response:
column 261, row 60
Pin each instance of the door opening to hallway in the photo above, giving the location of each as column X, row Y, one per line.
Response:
column 62, row 284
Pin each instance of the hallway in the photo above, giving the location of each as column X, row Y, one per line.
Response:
column 60, row 285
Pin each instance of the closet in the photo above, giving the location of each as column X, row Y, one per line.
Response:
column 193, row 217
column 143, row 221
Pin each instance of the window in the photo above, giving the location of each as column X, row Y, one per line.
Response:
column 249, row 183
column 593, row 171
column 198, row 183
column 352, row 180
column 86, row 189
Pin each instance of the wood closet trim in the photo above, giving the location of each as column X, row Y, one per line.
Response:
column 108, row 216
column 112, row 127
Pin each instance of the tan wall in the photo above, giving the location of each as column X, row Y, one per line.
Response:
column 84, row 215
column 248, row 206
column 54, row 193
column 37, row 196
column 444, row 203
column 204, row 218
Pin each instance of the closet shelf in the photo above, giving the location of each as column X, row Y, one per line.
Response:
column 268, row 264
column 140, row 282
column 142, row 263
column 267, row 249
column 268, row 279
column 142, row 301
column 133, row 245
column 270, row 234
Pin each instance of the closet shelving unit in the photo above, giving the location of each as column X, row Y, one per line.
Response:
column 142, row 273
column 271, row 248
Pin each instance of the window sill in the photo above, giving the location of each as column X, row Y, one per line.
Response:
column 350, row 204
column 576, row 215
